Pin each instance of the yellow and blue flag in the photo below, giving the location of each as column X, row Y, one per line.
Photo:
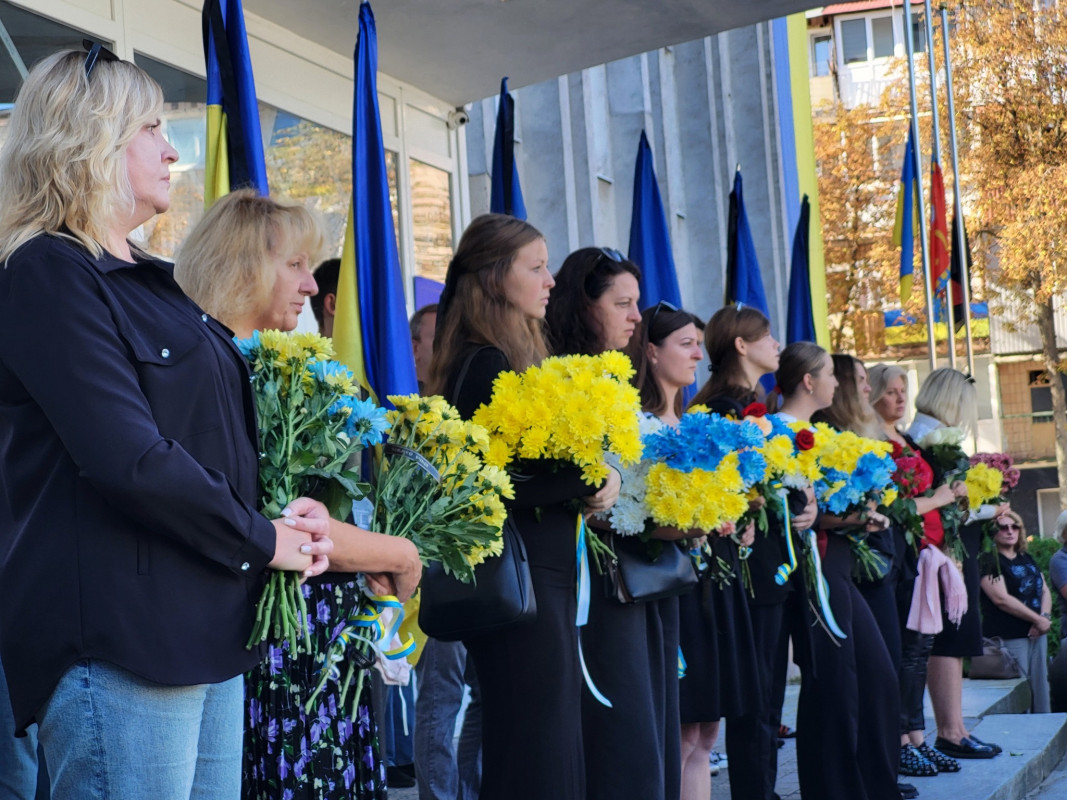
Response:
column 234, row 158
column 905, row 227
column 371, row 334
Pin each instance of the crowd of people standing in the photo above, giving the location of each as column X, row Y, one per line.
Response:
column 132, row 546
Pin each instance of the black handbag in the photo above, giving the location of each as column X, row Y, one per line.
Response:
column 500, row 596
column 639, row 573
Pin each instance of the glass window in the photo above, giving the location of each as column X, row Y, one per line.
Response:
column 854, row 40
column 918, row 33
column 821, row 55
column 882, row 34
column 431, row 220
column 29, row 39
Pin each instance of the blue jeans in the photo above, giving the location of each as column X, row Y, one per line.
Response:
column 444, row 774
column 18, row 756
column 111, row 735
column 398, row 746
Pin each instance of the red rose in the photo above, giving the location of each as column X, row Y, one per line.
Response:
column 898, row 451
column 805, row 440
column 754, row 410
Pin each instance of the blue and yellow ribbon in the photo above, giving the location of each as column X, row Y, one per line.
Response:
column 583, row 592
column 783, row 572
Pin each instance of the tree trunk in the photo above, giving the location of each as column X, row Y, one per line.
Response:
column 1046, row 325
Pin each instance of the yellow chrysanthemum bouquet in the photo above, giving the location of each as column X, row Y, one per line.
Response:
column 435, row 485
column 571, row 409
column 311, row 426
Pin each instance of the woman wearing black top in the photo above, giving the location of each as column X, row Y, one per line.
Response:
column 725, row 673
column 594, row 308
column 489, row 320
column 838, row 756
column 1017, row 605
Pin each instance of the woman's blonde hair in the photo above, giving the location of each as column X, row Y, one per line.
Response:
column 849, row 411
column 63, row 169
column 224, row 264
column 948, row 396
column 879, row 377
column 1061, row 527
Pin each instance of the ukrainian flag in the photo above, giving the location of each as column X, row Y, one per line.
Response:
column 907, row 217
column 371, row 334
column 234, row 142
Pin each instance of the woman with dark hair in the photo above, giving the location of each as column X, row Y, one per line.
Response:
column 490, row 320
column 888, row 397
column 736, row 645
column 838, row 756
column 593, row 308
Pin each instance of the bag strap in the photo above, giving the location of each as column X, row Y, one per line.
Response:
column 466, row 368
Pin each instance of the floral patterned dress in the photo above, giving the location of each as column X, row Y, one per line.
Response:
column 329, row 754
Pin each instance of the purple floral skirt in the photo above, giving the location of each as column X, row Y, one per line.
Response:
column 330, row 753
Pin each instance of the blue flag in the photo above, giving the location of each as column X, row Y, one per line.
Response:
column 234, row 157
column 371, row 328
column 800, row 325
column 650, row 241
column 506, row 194
column 743, row 282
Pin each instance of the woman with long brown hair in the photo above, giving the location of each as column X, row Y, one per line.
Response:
column 847, row 744
column 490, row 320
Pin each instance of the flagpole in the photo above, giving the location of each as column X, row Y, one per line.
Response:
column 923, row 233
column 961, row 240
column 935, row 154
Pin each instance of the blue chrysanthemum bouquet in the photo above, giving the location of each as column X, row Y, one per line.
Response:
column 312, row 425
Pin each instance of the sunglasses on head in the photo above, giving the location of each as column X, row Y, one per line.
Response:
column 96, row 51
column 660, row 306
column 611, row 254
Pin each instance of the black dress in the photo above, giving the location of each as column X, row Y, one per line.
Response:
column 848, row 715
column 722, row 670
column 776, row 613
column 529, row 675
column 966, row 640
column 631, row 749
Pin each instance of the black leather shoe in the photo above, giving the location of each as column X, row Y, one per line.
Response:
column 996, row 747
column 396, row 778
column 967, row 748
column 907, row 791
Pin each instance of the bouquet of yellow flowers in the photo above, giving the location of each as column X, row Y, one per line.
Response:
column 569, row 408
column 983, row 484
column 433, row 487
column 311, row 425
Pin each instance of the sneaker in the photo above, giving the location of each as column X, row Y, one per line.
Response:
column 719, row 759
column 938, row 759
column 914, row 764
column 907, row 791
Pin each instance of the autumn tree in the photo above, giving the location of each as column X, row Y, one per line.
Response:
column 1010, row 75
column 858, row 172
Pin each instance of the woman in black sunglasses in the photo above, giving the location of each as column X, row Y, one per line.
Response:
column 1017, row 605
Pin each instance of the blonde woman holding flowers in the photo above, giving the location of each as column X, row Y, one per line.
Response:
column 947, row 398
column 847, row 740
column 489, row 320
column 889, row 399
column 247, row 264
column 593, row 308
column 131, row 544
